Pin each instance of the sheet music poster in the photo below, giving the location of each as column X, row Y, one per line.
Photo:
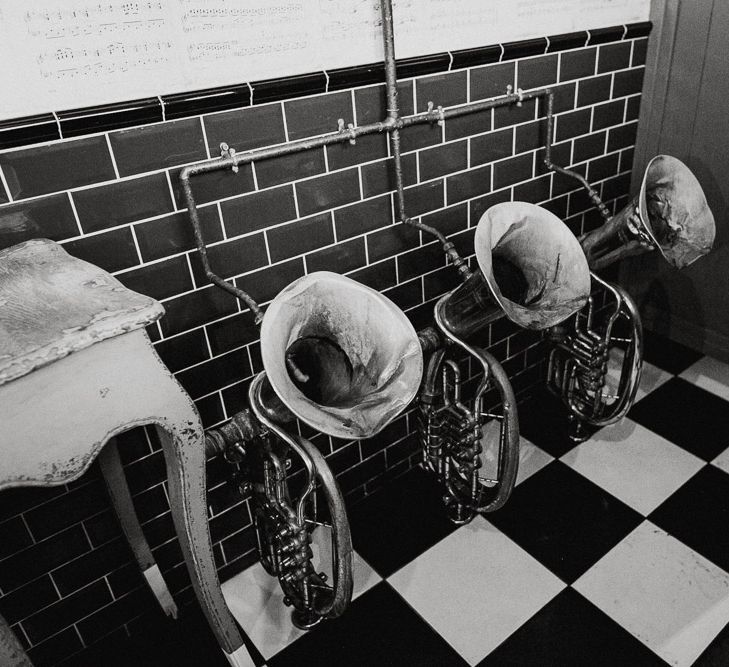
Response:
column 65, row 54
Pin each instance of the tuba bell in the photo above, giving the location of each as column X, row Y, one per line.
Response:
column 596, row 359
column 669, row 213
column 532, row 269
column 346, row 361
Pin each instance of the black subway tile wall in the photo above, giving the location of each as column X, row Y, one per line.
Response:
column 112, row 197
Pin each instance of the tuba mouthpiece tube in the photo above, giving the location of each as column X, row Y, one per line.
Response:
column 429, row 339
column 619, row 237
column 591, row 192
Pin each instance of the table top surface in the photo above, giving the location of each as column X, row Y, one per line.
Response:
column 52, row 304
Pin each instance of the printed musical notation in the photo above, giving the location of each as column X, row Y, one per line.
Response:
column 74, row 53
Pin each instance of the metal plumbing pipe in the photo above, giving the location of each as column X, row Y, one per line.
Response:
column 591, row 192
column 394, row 125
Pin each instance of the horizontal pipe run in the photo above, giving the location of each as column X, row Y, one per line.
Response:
column 297, row 146
column 349, row 134
column 392, row 125
column 435, row 115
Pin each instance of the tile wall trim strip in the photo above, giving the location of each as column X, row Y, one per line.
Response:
column 41, row 128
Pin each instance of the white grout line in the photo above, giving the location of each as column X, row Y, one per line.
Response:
column 285, row 124
column 268, row 250
column 354, row 106
column 58, row 124
column 207, row 343
column 172, row 192
column 205, row 137
column 191, row 272
column 296, row 201
column 111, row 154
column 75, row 214
column 136, row 244
column 5, row 185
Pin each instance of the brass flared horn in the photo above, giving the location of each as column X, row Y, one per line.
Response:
column 341, row 356
column 669, row 213
column 533, row 265
column 532, row 269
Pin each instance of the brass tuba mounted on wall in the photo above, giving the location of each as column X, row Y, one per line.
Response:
column 345, row 360
column 669, row 213
column 532, row 269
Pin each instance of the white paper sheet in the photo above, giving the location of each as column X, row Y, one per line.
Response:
column 65, row 54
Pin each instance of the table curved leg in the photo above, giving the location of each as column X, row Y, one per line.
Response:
column 11, row 652
column 121, row 500
column 183, row 445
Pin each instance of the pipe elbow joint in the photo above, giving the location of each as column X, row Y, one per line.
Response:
column 390, row 123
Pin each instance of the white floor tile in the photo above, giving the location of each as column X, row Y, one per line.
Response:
column 634, row 464
column 256, row 600
column 709, row 374
column 531, row 458
column 665, row 594
column 651, row 378
column 722, row 461
column 476, row 587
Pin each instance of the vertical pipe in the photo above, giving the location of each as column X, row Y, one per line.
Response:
column 393, row 110
column 393, row 125
column 550, row 130
column 591, row 192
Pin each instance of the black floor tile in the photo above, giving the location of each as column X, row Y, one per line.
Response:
column 667, row 354
column 185, row 642
column 398, row 523
column 716, row 654
column 698, row 515
column 379, row 629
column 543, row 421
column 688, row 416
column 565, row 521
column 571, row 631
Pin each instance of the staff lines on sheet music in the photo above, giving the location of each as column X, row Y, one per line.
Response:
column 75, row 31
column 236, row 48
column 92, row 11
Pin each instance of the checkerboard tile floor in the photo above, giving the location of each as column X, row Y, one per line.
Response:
column 611, row 552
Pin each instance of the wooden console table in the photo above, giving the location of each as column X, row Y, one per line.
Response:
column 76, row 369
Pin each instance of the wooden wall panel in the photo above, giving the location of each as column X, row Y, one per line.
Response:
column 685, row 115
